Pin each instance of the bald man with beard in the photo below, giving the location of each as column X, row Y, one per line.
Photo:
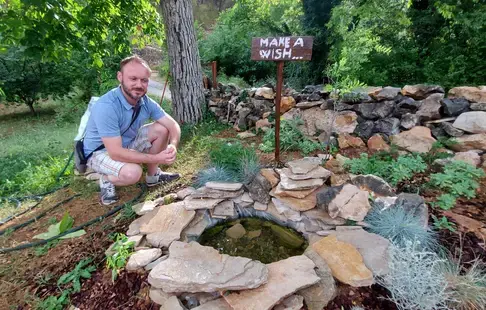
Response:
column 118, row 140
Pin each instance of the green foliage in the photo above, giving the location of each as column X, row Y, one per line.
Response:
column 443, row 223
column 382, row 165
column 82, row 270
column 55, row 302
column 291, row 139
column 27, row 80
column 445, row 202
column 64, row 224
column 43, row 249
column 231, row 162
column 399, row 226
column 230, row 41
column 458, row 179
column 122, row 250
column 54, row 29
column 405, row 42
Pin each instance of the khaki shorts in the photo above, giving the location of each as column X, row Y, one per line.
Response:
column 102, row 163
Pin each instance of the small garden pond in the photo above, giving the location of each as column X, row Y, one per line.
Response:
column 254, row 238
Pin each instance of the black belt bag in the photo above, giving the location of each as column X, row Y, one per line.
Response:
column 80, row 160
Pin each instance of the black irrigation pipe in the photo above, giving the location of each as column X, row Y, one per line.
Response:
column 18, row 226
column 91, row 222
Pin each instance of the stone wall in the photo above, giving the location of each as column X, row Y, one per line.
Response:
column 386, row 111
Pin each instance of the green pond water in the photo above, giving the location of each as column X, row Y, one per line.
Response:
column 256, row 239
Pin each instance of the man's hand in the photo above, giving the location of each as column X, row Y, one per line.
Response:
column 167, row 156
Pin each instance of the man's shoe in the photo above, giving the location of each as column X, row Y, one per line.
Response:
column 107, row 192
column 161, row 178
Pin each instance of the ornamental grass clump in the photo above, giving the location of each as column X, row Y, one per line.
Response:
column 415, row 280
column 214, row 174
column 466, row 286
column 399, row 226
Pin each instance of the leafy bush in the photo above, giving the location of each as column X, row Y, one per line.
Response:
column 415, row 280
column 466, row 286
column 291, row 139
column 122, row 250
column 399, row 226
column 82, row 270
column 34, row 179
column 392, row 170
column 230, row 41
column 458, row 179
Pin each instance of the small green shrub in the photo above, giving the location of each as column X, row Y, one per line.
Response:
column 458, row 179
column 383, row 165
column 445, row 202
column 291, row 139
column 230, row 155
column 443, row 223
column 82, row 270
column 122, row 251
column 399, row 226
column 54, row 302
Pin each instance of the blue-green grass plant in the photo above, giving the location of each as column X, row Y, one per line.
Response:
column 415, row 280
column 399, row 226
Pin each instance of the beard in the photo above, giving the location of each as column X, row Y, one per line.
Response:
column 131, row 92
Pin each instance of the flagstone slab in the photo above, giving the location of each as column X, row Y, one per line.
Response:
column 284, row 278
column 224, row 186
column 288, row 184
column 317, row 173
column 304, row 165
column 200, row 203
column 193, row 268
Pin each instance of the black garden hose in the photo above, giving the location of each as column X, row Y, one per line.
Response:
column 95, row 220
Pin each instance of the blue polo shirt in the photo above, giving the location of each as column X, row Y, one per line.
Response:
column 111, row 115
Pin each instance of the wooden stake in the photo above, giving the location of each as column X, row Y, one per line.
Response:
column 280, row 66
column 215, row 74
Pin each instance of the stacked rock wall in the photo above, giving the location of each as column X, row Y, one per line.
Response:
column 373, row 110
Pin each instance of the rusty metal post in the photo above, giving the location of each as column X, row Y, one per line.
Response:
column 280, row 66
column 215, row 74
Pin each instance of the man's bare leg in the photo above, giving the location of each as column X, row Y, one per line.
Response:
column 129, row 174
column 158, row 136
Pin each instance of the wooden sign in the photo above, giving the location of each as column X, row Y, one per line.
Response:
column 282, row 48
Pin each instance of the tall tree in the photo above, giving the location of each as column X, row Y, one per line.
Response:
column 185, row 66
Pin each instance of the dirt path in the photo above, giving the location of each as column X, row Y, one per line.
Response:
column 156, row 86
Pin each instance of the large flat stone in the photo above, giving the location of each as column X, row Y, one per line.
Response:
column 316, row 173
column 162, row 225
column 193, row 268
column 158, row 296
column 288, row 184
column 472, row 122
column 284, row 209
column 299, row 204
column 206, row 192
column 372, row 247
column 418, row 139
column 293, row 302
column 224, row 186
column 270, row 175
column 144, row 207
column 284, row 278
column 200, row 203
column 373, row 184
column 346, row 201
column 304, row 165
column 470, row 142
column 141, row 258
column 473, row 94
column 224, row 208
column 323, row 216
column 280, row 192
column 344, row 260
column 320, row 294
column 197, row 226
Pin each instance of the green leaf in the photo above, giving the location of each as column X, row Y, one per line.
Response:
column 52, row 231
column 74, row 234
column 66, row 222
column 85, row 274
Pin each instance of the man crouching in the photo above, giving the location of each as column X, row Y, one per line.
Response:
column 117, row 123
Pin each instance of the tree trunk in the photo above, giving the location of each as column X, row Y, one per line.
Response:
column 31, row 107
column 185, row 67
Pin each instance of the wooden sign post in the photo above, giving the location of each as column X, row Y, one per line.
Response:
column 280, row 49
